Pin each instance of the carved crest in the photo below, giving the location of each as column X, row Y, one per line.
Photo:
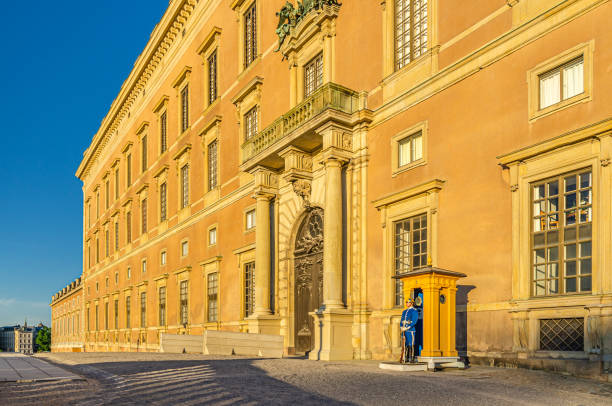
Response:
column 303, row 189
column 289, row 16
column 310, row 236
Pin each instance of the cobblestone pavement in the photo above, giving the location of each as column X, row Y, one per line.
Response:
column 181, row 379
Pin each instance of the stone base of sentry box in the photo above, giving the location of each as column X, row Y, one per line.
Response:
column 401, row 367
column 441, row 362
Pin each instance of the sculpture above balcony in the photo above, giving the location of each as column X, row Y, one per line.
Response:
column 290, row 15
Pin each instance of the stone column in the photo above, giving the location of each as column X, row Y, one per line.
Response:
column 262, row 321
column 262, row 254
column 332, row 245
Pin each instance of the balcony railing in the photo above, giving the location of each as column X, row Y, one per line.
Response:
column 329, row 96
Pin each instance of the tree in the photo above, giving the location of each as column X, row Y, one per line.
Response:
column 43, row 339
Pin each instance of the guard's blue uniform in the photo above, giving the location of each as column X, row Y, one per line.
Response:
column 409, row 319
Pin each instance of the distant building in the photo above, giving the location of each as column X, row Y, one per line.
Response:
column 7, row 338
column 19, row 338
column 66, row 319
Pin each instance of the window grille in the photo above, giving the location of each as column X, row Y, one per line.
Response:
column 128, row 226
column 144, row 153
column 212, row 78
column 250, row 35
column 184, row 186
column 212, row 165
column 212, row 296
column 249, row 284
column 562, row 334
column 116, row 184
column 163, row 125
column 162, row 306
column 107, row 194
column 184, row 303
column 129, row 169
column 410, row 30
column 97, row 204
column 116, row 236
column 250, row 123
column 143, row 309
column 143, row 208
column 116, row 313
column 561, row 234
column 97, row 312
column 107, row 243
column 410, row 253
column 97, row 250
column 313, row 75
column 162, row 202
column 105, row 317
column 184, row 109
column 128, row 311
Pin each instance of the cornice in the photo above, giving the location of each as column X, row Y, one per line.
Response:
column 212, row 123
column 161, row 103
column 162, row 38
column 253, row 84
column 183, row 150
column 182, row 76
column 424, row 188
column 210, row 39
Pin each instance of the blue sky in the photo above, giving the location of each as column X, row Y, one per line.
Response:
column 62, row 65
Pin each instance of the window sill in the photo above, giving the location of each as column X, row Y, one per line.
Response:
column 410, row 166
column 580, row 98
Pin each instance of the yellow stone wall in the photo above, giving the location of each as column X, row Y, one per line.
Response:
column 470, row 95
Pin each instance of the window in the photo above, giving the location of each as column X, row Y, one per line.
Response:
column 144, row 266
column 212, row 165
column 250, row 123
column 162, row 306
column 128, row 311
column 106, row 316
column 163, row 132
column 107, row 243
column 143, row 212
column 116, row 183
column 144, row 153
column 163, row 203
column 184, row 303
column 562, row 83
column 249, row 284
column 107, row 194
column 129, row 272
column 313, row 75
column 212, row 78
column 212, row 236
column 97, row 204
column 561, row 234
column 185, row 109
column 410, row 249
column 143, row 310
column 116, row 278
column 410, row 149
column 97, row 250
column 89, row 214
column 410, row 31
column 212, row 287
column 116, row 314
column 184, row 248
column 163, row 257
column 97, row 311
column 116, row 236
column 250, row 35
column 129, row 169
column 184, row 186
column 250, row 219
column 128, row 226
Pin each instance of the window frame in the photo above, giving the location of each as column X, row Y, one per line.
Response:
column 561, row 230
column 421, row 128
column 318, row 66
column 584, row 50
column 250, row 45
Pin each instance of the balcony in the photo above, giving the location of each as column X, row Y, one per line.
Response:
column 297, row 127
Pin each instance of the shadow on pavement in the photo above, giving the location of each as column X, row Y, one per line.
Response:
column 187, row 382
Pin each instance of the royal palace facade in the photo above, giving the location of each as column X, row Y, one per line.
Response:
column 269, row 166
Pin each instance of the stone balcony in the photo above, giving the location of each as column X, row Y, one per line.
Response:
column 298, row 127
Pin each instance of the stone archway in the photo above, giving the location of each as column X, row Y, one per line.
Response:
column 308, row 267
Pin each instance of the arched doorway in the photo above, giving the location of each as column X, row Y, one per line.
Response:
column 308, row 262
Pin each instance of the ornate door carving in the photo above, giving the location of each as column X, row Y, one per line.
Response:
column 308, row 277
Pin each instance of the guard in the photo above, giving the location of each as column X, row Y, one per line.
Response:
column 410, row 316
